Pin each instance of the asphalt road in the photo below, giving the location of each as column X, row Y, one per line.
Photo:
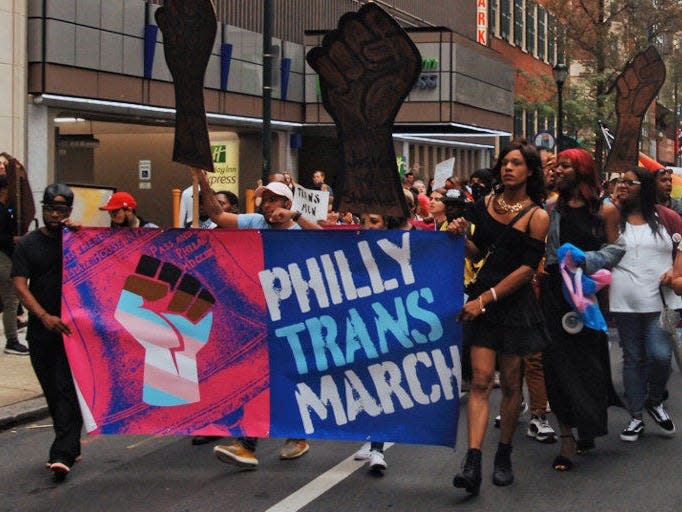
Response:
column 121, row 473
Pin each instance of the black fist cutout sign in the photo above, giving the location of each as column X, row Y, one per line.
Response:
column 367, row 67
column 189, row 29
column 636, row 87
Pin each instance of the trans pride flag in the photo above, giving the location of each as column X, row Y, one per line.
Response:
column 338, row 335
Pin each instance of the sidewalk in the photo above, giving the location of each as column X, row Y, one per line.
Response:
column 21, row 399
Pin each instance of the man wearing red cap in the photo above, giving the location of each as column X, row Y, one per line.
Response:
column 277, row 199
column 121, row 207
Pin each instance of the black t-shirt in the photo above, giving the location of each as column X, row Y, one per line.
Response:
column 6, row 230
column 38, row 258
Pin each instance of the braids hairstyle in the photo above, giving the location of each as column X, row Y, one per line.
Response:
column 647, row 200
column 535, row 186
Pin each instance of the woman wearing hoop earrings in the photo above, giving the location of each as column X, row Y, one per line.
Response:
column 576, row 361
column 502, row 317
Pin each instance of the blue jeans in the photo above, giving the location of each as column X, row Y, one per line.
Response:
column 647, row 353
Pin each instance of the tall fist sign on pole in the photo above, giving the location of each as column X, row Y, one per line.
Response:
column 189, row 29
column 636, row 87
column 367, row 67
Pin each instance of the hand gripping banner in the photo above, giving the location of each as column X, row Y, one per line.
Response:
column 336, row 335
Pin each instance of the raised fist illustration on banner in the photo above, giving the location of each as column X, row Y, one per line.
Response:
column 169, row 313
column 367, row 67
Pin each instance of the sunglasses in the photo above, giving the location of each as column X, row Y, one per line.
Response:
column 661, row 172
column 629, row 183
column 57, row 208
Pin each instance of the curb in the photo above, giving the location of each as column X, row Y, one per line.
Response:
column 23, row 412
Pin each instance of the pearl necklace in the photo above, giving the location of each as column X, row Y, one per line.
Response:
column 505, row 207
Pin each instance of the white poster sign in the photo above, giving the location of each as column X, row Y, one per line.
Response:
column 443, row 172
column 311, row 203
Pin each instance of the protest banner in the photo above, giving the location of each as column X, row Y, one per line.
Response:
column 443, row 172
column 311, row 203
column 343, row 335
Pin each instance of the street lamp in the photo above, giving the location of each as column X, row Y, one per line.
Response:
column 560, row 72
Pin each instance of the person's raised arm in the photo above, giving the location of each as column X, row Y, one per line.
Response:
column 211, row 205
column 281, row 215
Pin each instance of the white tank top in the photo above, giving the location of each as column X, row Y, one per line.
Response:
column 635, row 280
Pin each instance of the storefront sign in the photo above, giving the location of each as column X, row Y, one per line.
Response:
column 226, row 166
column 482, row 22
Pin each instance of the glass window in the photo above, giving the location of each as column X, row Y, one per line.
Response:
column 505, row 19
column 492, row 5
column 518, row 122
column 542, row 28
column 518, row 23
column 530, row 124
column 530, row 28
column 551, row 39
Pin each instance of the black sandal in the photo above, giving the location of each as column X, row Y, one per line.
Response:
column 561, row 462
column 584, row 445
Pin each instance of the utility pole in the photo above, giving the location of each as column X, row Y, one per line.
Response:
column 267, row 88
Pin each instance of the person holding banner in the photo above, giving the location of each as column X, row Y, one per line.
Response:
column 502, row 317
column 276, row 199
column 37, row 278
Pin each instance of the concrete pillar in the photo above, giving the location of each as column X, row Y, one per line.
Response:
column 41, row 150
column 13, row 78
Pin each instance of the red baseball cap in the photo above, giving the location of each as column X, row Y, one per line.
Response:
column 119, row 200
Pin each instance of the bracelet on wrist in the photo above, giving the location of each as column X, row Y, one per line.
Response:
column 493, row 293
column 480, row 303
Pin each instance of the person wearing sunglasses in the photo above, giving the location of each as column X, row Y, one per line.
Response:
column 651, row 233
column 37, row 278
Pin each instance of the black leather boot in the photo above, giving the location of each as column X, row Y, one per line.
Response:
column 469, row 478
column 502, row 472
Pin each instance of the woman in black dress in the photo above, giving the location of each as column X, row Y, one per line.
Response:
column 577, row 369
column 502, row 318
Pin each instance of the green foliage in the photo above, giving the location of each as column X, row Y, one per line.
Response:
column 602, row 36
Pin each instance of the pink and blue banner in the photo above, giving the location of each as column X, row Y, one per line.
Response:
column 337, row 335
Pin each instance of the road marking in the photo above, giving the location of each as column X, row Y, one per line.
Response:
column 316, row 488
column 143, row 441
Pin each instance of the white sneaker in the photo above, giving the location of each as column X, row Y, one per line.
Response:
column 377, row 461
column 540, row 430
column 363, row 452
